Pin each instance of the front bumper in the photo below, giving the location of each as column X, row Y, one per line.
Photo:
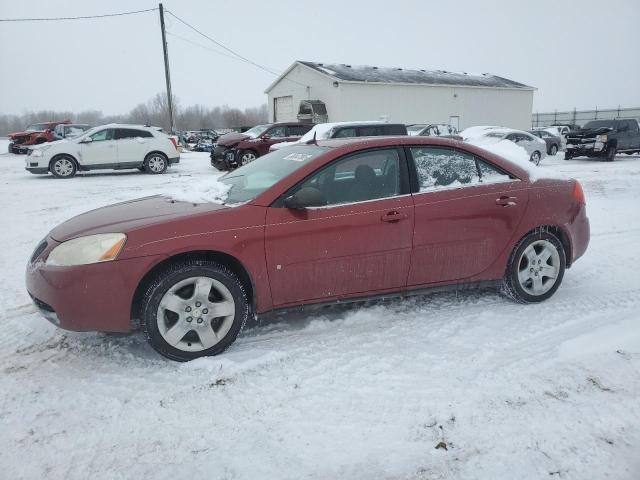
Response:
column 36, row 165
column 223, row 158
column 174, row 160
column 591, row 149
column 96, row 297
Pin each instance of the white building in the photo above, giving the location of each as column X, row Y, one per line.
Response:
column 355, row 92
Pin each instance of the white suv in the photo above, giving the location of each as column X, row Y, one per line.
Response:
column 108, row 146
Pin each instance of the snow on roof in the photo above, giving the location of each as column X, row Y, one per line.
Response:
column 372, row 74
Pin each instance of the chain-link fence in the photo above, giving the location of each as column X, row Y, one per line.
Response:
column 580, row 117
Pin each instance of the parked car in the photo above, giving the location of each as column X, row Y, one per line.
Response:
column 554, row 142
column 434, row 130
column 324, row 131
column 68, row 130
column 339, row 221
column 236, row 149
column 34, row 134
column 535, row 147
column 604, row 138
column 108, row 146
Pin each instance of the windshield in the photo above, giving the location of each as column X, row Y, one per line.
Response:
column 415, row 129
column 599, row 124
column 256, row 131
column 495, row 135
column 256, row 177
column 37, row 127
column 87, row 133
column 75, row 130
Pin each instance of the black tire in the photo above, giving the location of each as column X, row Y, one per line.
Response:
column 519, row 266
column 246, row 156
column 63, row 166
column 535, row 157
column 173, row 276
column 553, row 150
column 611, row 154
column 567, row 156
column 155, row 163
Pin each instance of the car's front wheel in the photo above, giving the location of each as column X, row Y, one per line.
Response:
column 535, row 157
column 63, row 166
column 611, row 154
column 193, row 309
column 246, row 156
column 536, row 268
column 554, row 150
column 155, row 163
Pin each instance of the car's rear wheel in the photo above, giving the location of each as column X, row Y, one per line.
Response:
column 554, row 150
column 611, row 154
column 155, row 163
column 535, row 157
column 246, row 156
column 193, row 309
column 63, row 166
column 536, row 268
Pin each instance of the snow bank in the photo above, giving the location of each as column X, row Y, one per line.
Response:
column 201, row 189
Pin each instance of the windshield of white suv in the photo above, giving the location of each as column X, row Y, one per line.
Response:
column 256, row 177
column 256, row 131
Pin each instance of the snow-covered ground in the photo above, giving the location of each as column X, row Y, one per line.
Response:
column 512, row 391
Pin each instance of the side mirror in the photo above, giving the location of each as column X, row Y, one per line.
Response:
column 266, row 137
column 304, row 198
column 87, row 140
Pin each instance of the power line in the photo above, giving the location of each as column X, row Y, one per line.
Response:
column 85, row 17
column 245, row 59
column 203, row 46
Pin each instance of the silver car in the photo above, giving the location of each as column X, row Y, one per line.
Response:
column 535, row 147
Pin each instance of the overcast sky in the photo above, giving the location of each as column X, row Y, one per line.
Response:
column 578, row 54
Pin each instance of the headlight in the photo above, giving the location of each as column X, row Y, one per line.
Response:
column 103, row 247
column 601, row 138
column 36, row 153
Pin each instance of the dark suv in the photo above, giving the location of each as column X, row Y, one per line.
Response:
column 236, row 149
column 604, row 138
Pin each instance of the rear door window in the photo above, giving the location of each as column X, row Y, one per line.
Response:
column 446, row 168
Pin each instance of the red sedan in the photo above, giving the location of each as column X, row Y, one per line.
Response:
column 331, row 222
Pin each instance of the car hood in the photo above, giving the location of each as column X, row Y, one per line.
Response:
column 128, row 216
column 589, row 132
column 22, row 134
column 231, row 139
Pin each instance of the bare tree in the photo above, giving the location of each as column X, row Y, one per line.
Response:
column 152, row 112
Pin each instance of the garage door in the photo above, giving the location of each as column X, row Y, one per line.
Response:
column 283, row 108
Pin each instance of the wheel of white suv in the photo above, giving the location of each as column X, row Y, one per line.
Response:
column 63, row 166
column 536, row 268
column 193, row 309
column 155, row 163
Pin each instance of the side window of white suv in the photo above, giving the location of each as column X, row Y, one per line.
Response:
column 106, row 134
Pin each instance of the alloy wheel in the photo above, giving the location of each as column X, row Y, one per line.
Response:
column 156, row 164
column 247, row 157
column 63, row 167
column 195, row 314
column 538, row 267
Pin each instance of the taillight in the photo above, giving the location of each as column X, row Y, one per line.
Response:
column 578, row 194
column 173, row 140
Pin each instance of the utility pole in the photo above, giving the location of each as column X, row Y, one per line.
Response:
column 172, row 124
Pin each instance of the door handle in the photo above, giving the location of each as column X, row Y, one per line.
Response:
column 506, row 201
column 393, row 216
